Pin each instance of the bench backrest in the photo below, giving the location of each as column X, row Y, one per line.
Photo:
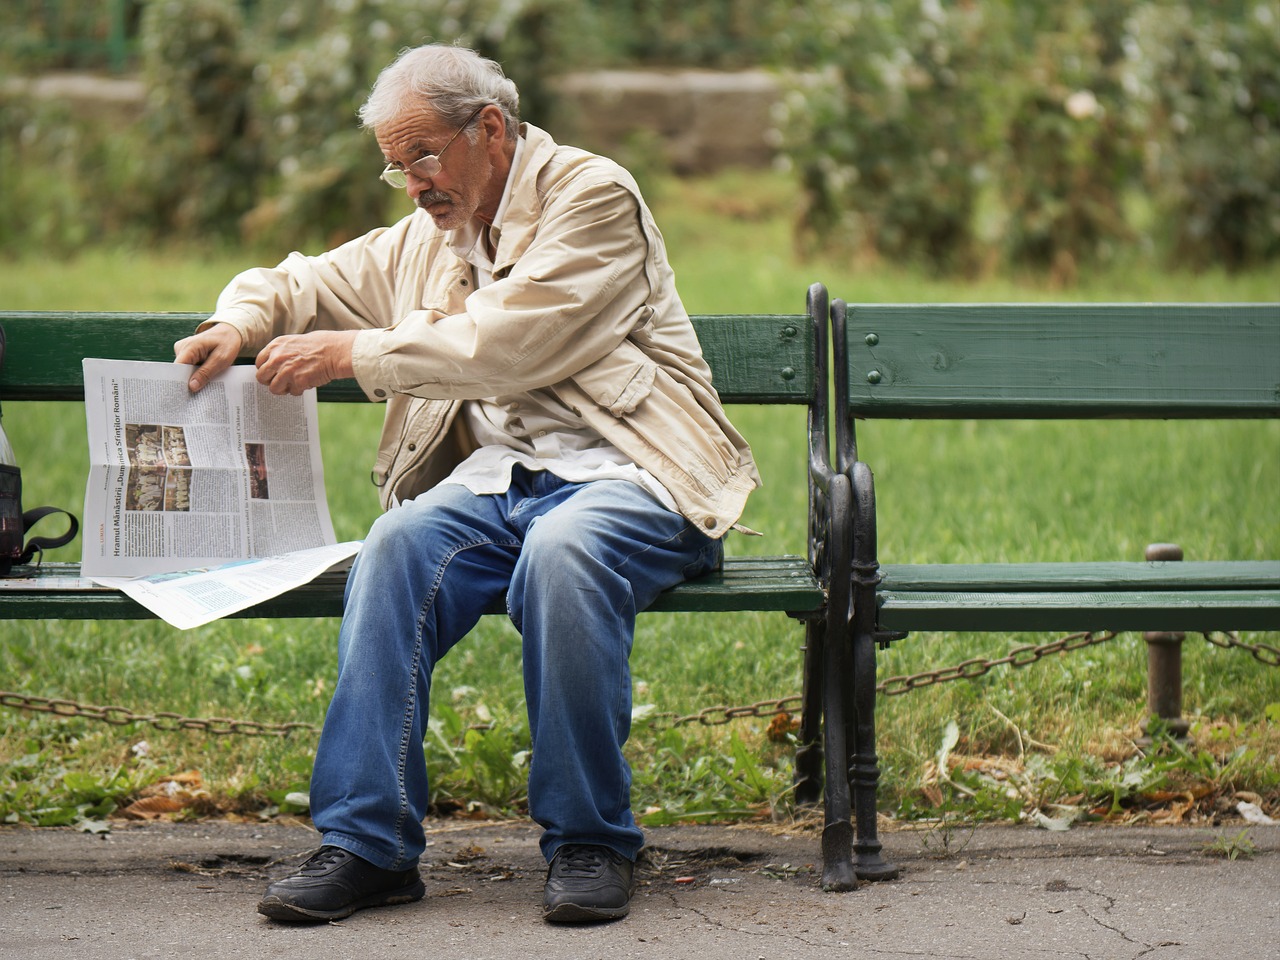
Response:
column 754, row 358
column 1047, row 361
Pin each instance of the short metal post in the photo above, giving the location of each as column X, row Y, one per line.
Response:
column 1164, row 665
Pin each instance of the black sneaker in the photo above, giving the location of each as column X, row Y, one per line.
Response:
column 333, row 884
column 586, row 883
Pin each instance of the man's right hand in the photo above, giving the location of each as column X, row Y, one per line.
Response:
column 212, row 351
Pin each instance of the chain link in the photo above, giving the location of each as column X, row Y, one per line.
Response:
column 977, row 667
column 709, row 716
column 719, row 715
column 1262, row 652
column 121, row 716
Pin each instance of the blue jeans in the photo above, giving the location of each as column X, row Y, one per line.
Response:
column 577, row 561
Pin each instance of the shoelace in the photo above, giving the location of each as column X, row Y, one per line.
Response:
column 582, row 862
column 322, row 858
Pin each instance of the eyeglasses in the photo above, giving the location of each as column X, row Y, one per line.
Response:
column 427, row 166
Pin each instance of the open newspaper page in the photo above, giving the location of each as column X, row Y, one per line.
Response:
column 188, row 482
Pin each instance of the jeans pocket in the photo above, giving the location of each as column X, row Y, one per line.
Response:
column 708, row 558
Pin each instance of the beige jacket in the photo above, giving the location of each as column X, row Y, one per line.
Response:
column 583, row 304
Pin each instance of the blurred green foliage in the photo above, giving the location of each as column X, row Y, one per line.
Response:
column 966, row 137
column 1209, row 89
column 888, row 133
column 1025, row 130
column 198, row 173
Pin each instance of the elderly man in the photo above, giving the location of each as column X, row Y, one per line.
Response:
column 551, row 436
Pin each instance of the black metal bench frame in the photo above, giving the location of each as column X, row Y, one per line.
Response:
column 1136, row 361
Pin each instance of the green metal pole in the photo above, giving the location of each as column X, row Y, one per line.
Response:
column 117, row 42
column 1164, row 664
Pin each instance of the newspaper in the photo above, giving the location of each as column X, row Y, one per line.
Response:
column 225, row 486
column 196, row 597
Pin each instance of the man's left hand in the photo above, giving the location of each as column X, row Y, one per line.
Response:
column 298, row 362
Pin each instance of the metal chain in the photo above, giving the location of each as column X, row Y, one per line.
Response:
column 120, row 716
column 1262, row 652
column 708, row 716
column 718, row 715
column 977, row 667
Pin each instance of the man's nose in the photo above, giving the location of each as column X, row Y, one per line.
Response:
column 414, row 184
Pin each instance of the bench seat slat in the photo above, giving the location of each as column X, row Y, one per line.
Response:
column 1097, row 576
column 57, row 591
column 1027, row 610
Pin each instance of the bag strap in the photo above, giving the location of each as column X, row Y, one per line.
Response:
column 31, row 517
column 41, row 544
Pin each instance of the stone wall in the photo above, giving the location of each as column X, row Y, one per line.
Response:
column 701, row 120
column 698, row 120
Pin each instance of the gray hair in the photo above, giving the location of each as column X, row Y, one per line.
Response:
column 450, row 81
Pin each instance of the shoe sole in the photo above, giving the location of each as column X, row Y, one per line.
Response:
column 576, row 913
column 275, row 908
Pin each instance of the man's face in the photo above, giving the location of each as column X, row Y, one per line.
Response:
column 464, row 184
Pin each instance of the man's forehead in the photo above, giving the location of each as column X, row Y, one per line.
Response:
column 415, row 130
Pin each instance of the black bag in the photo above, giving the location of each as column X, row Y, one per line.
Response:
column 14, row 523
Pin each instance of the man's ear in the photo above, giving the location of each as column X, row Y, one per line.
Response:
column 494, row 122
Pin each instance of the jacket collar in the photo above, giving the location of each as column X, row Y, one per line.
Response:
column 524, row 206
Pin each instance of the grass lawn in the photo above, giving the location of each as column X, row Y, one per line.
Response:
column 1054, row 736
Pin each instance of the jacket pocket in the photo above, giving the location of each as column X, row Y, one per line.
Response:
column 620, row 381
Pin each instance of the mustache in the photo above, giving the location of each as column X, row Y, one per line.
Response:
column 427, row 197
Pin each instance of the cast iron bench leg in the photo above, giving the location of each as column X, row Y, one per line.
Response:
column 808, row 772
column 837, row 831
column 864, row 769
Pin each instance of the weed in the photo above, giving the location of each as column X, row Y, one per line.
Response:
column 1231, row 848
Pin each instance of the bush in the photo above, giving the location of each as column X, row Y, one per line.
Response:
column 715, row 34
column 890, row 137
column 250, row 131
column 50, row 35
column 926, row 131
column 67, row 178
column 1208, row 90
column 1032, row 134
column 199, row 170
column 299, row 170
column 321, row 169
column 1068, row 153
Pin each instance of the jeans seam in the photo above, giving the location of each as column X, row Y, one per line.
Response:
column 624, row 799
column 402, row 755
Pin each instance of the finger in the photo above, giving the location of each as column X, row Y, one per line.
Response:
column 210, row 360
column 189, row 350
column 267, row 370
column 211, row 351
column 203, row 374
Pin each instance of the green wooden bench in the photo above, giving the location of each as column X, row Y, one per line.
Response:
column 1030, row 361
column 755, row 360
column 879, row 361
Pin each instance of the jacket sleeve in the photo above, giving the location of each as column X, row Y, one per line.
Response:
column 575, row 292
column 349, row 287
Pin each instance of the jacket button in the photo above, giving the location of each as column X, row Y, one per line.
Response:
column 709, row 523
column 413, row 447
column 379, row 392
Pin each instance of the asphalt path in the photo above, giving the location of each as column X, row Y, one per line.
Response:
column 167, row 890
